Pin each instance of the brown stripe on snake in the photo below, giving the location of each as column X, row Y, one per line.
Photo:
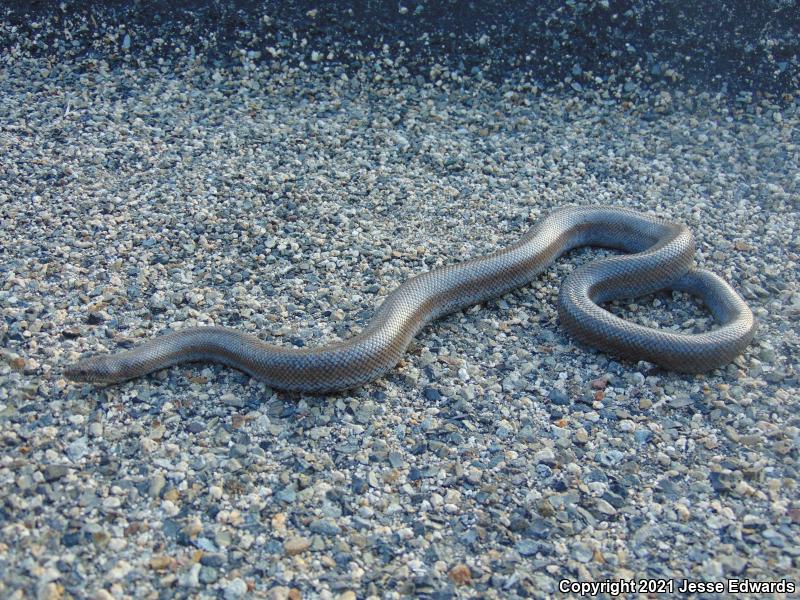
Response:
column 661, row 257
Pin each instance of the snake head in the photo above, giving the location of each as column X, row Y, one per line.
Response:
column 91, row 370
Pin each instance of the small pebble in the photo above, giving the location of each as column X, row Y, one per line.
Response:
column 296, row 545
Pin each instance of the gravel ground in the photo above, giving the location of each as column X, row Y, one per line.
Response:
column 287, row 198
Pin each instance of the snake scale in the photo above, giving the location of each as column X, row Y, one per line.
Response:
column 660, row 256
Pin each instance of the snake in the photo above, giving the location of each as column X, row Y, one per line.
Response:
column 658, row 255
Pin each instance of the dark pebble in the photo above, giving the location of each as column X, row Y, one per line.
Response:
column 432, row 394
column 196, row 427
column 212, row 560
column 71, row 539
column 54, row 472
column 558, row 397
column 359, row 485
column 94, row 318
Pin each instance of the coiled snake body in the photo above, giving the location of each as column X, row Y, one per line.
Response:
column 661, row 258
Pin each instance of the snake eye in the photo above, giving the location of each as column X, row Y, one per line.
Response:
column 77, row 372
